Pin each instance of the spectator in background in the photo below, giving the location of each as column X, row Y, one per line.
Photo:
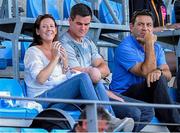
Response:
column 159, row 11
column 140, row 69
column 177, row 10
column 83, row 56
column 47, row 74
column 157, row 7
column 102, row 118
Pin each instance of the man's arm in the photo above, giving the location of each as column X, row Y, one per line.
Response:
column 113, row 96
column 166, row 71
column 102, row 66
column 149, row 64
column 155, row 75
column 97, row 70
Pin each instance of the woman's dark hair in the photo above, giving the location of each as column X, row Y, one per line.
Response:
column 81, row 10
column 36, row 38
column 140, row 13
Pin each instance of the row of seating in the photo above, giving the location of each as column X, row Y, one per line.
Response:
column 6, row 54
column 12, row 112
column 33, row 9
column 29, row 130
column 15, row 89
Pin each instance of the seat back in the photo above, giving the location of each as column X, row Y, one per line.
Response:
column 34, row 8
column 6, row 52
column 12, row 86
column 105, row 15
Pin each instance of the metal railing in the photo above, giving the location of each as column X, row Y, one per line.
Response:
column 91, row 107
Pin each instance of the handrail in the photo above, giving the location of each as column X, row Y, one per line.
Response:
column 89, row 102
column 91, row 106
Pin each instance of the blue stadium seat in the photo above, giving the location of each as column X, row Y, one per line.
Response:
column 6, row 55
column 8, row 130
column 172, row 92
column 33, row 130
column 59, row 131
column 6, row 52
column 104, row 14
column 67, row 7
column 3, row 63
column 75, row 114
column 34, row 8
column 13, row 87
column 154, row 121
column 22, row 130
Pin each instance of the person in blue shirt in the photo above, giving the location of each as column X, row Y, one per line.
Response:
column 140, row 69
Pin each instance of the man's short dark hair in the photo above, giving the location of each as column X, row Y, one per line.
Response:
column 140, row 13
column 81, row 10
column 101, row 115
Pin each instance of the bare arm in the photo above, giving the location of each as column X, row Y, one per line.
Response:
column 155, row 74
column 58, row 52
column 99, row 64
column 102, row 66
column 149, row 64
column 97, row 71
column 113, row 96
column 166, row 72
column 46, row 72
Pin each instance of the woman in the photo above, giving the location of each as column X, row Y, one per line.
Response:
column 46, row 67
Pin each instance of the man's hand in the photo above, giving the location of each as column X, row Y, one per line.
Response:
column 153, row 76
column 94, row 74
column 149, row 38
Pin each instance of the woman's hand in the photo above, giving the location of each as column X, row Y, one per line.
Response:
column 56, row 46
column 63, row 57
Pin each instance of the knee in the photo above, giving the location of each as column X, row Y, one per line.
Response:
column 132, row 112
column 135, row 114
column 84, row 76
column 161, row 83
column 162, row 79
column 148, row 113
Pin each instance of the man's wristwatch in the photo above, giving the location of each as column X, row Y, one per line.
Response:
column 160, row 70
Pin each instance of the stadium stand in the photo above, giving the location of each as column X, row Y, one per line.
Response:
column 13, row 27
